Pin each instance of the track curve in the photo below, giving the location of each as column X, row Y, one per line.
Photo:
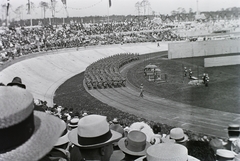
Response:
column 197, row 119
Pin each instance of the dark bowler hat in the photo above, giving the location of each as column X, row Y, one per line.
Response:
column 17, row 81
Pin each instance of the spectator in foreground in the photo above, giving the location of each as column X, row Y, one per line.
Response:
column 134, row 145
column 17, row 81
column 60, row 150
column 167, row 152
column 25, row 135
column 225, row 155
column 94, row 138
column 201, row 150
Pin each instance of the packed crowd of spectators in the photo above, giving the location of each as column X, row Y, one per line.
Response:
column 19, row 41
column 61, row 134
column 15, row 42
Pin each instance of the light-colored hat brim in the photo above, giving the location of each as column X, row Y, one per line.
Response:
column 121, row 145
column 190, row 158
column 73, row 137
column 47, row 131
column 185, row 138
column 72, row 125
column 62, row 140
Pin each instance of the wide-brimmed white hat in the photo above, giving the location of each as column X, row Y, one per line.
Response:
column 63, row 139
column 92, row 132
column 26, row 135
column 134, row 144
column 167, row 152
column 178, row 135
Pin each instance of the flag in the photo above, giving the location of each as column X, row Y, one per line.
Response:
column 110, row 3
column 29, row 6
column 64, row 2
column 8, row 4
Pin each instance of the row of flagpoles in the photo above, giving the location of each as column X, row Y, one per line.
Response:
column 52, row 1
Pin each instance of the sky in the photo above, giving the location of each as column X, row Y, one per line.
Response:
column 80, row 8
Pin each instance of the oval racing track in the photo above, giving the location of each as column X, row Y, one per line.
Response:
column 46, row 72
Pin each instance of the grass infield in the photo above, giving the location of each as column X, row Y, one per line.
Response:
column 221, row 94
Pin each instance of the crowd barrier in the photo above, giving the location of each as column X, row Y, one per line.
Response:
column 202, row 48
column 221, row 61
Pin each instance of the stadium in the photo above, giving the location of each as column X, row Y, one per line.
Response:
column 102, row 73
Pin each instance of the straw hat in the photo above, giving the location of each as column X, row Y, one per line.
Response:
column 63, row 139
column 225, row 154
column 178, row 135
column 26, row 135
column 73, row 122
column 17, row 82
column 115, row 121
column 167, row 152
column 233, row 131
column 134, row 144
column 92, row 132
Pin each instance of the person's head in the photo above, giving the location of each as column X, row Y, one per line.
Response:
column 17, row 81
column 200, row 150
column 167, row 152
column 233, row 132
column 216, row 144
column 94, row 137
column 224, row 155
column 73, row 123
column 25, row 134
column 156, row 129
column 178, row 135
column 134, row 145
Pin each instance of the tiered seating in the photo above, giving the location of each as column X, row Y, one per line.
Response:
column 105, row 72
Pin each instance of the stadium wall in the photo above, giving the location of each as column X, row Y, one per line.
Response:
column 202, row 48
column 221, row 61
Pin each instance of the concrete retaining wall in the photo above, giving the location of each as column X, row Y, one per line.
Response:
column 222, row 61
column 202, row 48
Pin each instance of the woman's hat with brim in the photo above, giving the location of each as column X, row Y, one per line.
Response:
column 17, row 82
column 33, row 134
column 178, row 135
column 92, row 132
column 166, row 151
column 134, row 144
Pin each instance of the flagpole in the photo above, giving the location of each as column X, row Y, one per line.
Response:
column 108, row 13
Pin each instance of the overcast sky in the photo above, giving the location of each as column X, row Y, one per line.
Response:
column 119, row 7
